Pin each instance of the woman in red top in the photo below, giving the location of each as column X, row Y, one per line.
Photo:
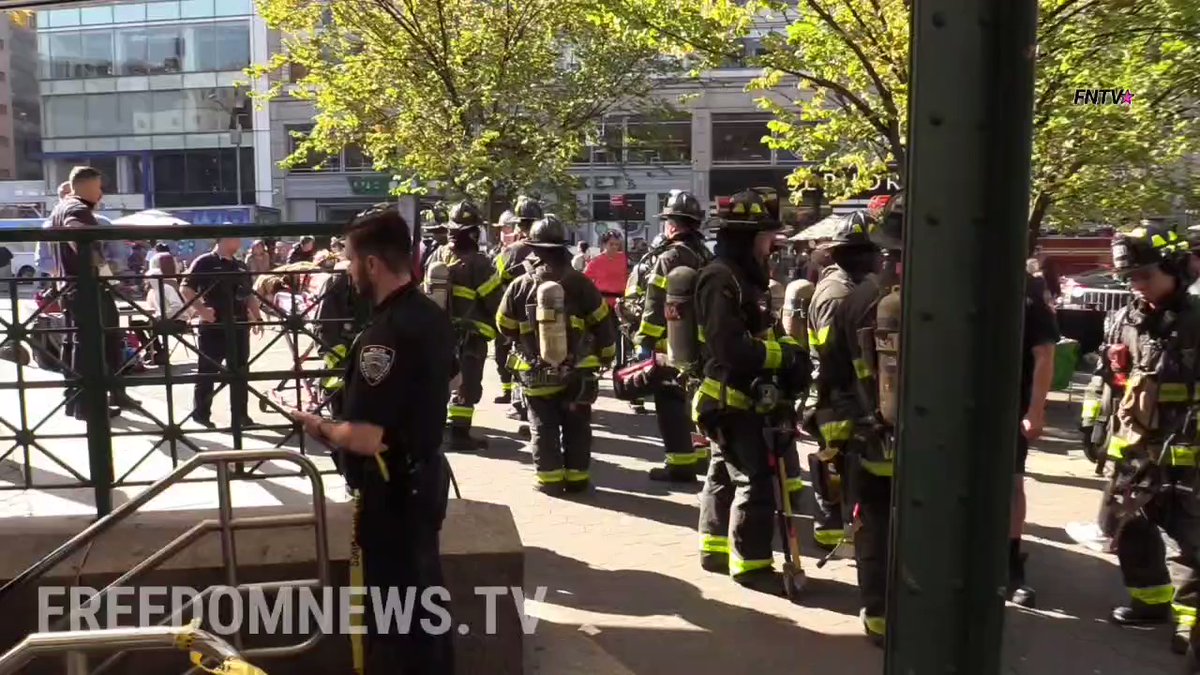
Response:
column 609, row 270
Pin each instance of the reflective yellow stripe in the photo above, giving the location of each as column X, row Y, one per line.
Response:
column 542, row 392
column 459, row 412
column 862, row 370
column 500, row 266
column 1117, row 447
column 836, row 431
column 590, row 361
column 700, row 335
column 1185, row 615
column 875, row 624
column 828, row 537
column 795, row 484
column 682, row 459
column 738, row 566
column 789, row 340
column 1182, row 455
column 485, row 289
column 1172, row 392
column 774, row 356
column 485, row 330
column 608, row 352
column 712, row 543
column 551, row 477
column 818, row 338
column 1091, row 411
column 506, row 386
column 332, row 383
column 733, row 398
column 651, row 330
column 599, row 315
column 575, row 476
column 578, row 323
column 506, row 322
column 1153, row 595
column 464, row 292
column 882, row 469
column 656, row 280
column 526, row 327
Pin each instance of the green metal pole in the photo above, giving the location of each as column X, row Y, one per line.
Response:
column 970, row 131
column 93, row 370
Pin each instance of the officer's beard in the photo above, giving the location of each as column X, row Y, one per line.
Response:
column 362, row 283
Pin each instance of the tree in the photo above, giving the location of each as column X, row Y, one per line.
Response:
column 843, row 67
column 483, row 97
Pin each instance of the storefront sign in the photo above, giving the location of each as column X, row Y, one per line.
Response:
column 369, row 185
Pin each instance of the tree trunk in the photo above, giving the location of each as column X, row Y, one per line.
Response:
column 1041, row 204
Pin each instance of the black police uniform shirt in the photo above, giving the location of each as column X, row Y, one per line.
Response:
column 1040, row 329
column 398, row 377
column 226, row 294
column 73, row 208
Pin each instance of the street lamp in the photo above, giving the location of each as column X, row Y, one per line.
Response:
column 235, row 138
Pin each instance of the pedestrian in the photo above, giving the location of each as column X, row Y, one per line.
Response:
column 303, row 250
column 511, row 264
column 389, row 435
column 580, row 261
column 558, row 349
column 221, row 288
column 472, row 307
column 609, row 270
column 6, row 258
column 737, row 502
column 258, row 260
column 1037, row 373
column 1147, row 368
column 280, row 256
column 165, row 301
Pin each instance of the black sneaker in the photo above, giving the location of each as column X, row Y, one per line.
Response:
column 204, row 422
column 125, row 401
column 1018, row 593
column 1140, row 614
column 80, row 413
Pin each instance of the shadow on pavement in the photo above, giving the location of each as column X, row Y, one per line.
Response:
column 1085, row 482
column 719, row 639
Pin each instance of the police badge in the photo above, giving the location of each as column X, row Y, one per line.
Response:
column 375, row 362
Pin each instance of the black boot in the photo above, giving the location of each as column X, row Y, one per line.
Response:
column 577, row 486
column 1141, row 614
column 873, row 628
column 1018, row 593
column 673, row 474
column 717, row 563
column 504, row 398
column 461, row 440
column 766, row 581
column 1180, row 640
column 122, row 400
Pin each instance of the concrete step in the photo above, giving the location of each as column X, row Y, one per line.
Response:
column 560, row 649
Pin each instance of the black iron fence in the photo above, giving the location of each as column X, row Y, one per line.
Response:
column 57, row 336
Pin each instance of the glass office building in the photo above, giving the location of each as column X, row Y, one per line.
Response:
column 155, row 95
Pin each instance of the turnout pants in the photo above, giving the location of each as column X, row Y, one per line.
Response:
column 503, row 349
column 829, row 485
column 874, row 497
column 561, row 437
column 737, row 503
column 471, row 357
column 1150, row 576
column 675, row 426
column 228, row 345
column 396, row 532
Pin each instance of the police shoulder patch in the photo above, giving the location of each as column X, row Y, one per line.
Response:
column 375, row 362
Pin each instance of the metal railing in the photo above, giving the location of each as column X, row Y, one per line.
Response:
column 225, row 524
column 1100, row 299
column 74, row 644
column 89, row 384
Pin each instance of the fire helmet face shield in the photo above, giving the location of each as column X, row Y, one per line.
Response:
column 747, row 210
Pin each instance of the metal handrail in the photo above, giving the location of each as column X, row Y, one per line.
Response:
column 225, row 524
column 187, row 638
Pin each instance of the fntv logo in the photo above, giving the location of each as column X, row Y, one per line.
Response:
column 1103, row 97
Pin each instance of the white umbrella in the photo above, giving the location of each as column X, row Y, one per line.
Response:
column 150, row 218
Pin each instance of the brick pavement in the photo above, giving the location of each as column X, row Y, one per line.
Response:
column 623, row 580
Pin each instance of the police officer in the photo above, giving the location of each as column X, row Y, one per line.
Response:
column 389, row 437
column 433, row 223
column 737, row 503
column 510, row 264
column 683, row 247
column 853, row 257
column 1153, row 435
column 562, row 335
column 474, row 296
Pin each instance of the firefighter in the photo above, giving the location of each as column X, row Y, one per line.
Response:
column 1153, row 436
column 633, row 304
column 510, row 264
column 737, row 503
column 853, row 257
column 433, row 223
column 683, row 248
column 474, row 296
column 562, row 336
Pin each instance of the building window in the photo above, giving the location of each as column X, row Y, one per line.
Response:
column 634, row 139
column 144, row 112
column 351, row 159
column 738, row 139
column 107, row 165
column 634, row 209
column 202, row 177
column 146, row 50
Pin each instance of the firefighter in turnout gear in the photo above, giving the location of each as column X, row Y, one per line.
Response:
column 433, row 224
column 854, row 330
column 684, row 249
column 836, row 377
column 510, row 264
column 737, row 503
column 562, row 335
column 1147, row 380
column 473, row 298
